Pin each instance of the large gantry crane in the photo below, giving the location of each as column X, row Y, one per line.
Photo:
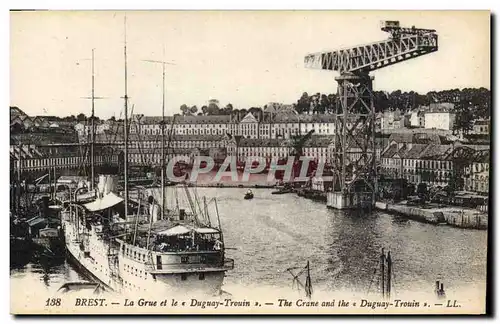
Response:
column 353, row 156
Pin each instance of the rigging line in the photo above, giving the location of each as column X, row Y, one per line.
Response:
column 197, row 199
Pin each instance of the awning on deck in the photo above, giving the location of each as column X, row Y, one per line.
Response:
column 181, row 229
column 105, row 202
column 206, row 230
column 176, row 230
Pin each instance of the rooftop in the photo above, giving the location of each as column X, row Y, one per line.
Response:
column 211, row 119
column 436, row 152
column 115, row 137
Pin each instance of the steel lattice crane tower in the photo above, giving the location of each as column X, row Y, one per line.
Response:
column 353, row 156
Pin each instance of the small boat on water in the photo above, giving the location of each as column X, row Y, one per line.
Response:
column 281, row 191
column 91, row 287
column 249, row 194
column 263, row 186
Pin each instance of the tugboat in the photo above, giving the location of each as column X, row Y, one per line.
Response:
column 249, row 194
column 46, row 232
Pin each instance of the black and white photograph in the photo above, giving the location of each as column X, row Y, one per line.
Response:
column 209, row 162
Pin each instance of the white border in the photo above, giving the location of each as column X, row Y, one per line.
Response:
column 190, row 5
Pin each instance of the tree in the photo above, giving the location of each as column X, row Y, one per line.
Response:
column 228, row 109
column 204, row 110
column 422, row 191
column 213, row 109
column 463, row 118
column 185, row 110
column 81, row 117
column 303, row 104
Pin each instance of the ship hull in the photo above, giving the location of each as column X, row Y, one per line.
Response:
column 126, row 275
column 82, row 270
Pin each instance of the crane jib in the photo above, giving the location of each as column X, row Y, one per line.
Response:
column 404, row 44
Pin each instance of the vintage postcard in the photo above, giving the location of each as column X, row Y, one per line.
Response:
column 249, row 162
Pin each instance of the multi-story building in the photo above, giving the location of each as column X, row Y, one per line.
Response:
column 439, row 120
column 409, row 162
column 435, row 166
column 477, row 173
column 391, row 161
column 391, row 119
column 458, row 166
column 417, row 118
column 30, row 158
column 418, row 163
column 136, row 141
column 183, row 125
column 85, row 128
column 481, row 127
column 316, row 148
column 249, row 125
column 439, row 116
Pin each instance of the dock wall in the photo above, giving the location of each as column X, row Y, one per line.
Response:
column 453, row 216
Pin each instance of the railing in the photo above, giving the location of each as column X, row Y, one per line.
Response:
column 226, row 264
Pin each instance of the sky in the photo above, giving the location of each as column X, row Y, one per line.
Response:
column 246, row 58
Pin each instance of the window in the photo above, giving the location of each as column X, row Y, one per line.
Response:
column 184, row 259
column 201, row 276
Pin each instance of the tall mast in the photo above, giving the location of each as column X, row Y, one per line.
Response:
column 20, row 161
column 163, row 142
column 163, row 198
column 92, row 126
column 125, row 122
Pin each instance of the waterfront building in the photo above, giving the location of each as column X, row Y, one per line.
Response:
column 317, row 148
column 251, row 124
column 184, row 125
column 435, row 166
column 32, row 158
column 418, row 163
column 477, row 173
column 481, row 127
column 175, row 141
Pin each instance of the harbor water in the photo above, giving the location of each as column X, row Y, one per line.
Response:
column 270, row 233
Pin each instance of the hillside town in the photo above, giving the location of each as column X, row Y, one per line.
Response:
column 423, row 147
column 252, row 178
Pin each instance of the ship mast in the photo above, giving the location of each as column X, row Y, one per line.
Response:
column 125, row 121
column 92, row 126
column 163, row 123
column 163, row 142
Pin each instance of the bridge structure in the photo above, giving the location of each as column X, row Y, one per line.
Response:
column 353, row 156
